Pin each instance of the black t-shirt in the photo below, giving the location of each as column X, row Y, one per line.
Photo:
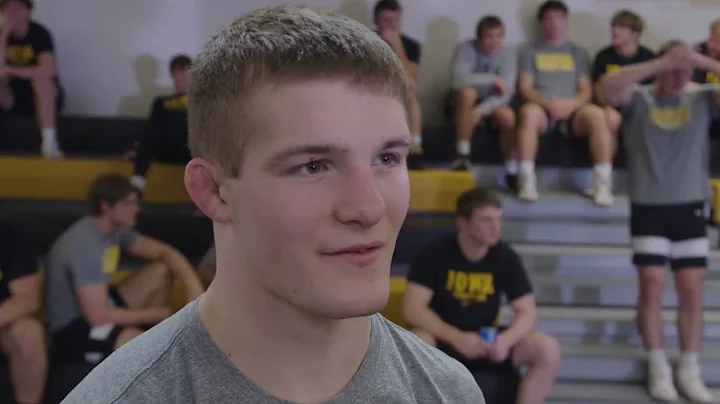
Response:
column 412, row 48
column 17, row 258
column 23, row 52
column 168, row 115
column 467, row 295
column 608, row 60
column 702, row 76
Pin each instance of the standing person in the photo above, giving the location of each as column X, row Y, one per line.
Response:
column 666, row 140
column 299, row 160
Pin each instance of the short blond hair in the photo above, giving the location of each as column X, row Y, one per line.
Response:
column 271, row 46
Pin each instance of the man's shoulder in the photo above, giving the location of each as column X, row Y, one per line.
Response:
column 140, row 370
column 423, row 362
column 37, row 27
column 79, row 233
column 409, row 40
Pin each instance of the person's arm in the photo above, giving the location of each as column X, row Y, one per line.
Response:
column 45, row 68
column 584, row 84
column 4, row 36
column 710, row 65
column 24, row 299
column 463, row 67
column 616, row 87
column 153, row 250
column 508, row 75
column 526, row 78
column 519, row 293
column 422, row 283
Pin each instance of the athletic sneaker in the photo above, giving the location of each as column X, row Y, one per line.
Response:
column 461, row 163
column 692, row 386
column 600, row 191
column 660, row 384
column 527, row 187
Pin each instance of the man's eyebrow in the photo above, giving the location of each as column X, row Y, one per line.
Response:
column 326, row 149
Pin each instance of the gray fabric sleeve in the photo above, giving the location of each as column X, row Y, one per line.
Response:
column 464, row 65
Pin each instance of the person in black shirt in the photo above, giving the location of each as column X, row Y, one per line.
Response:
column 388, row 20
column 21, row 334
column 454, row 290
column 166, row 139
column 28, row 78
column 711, row 48
column 627, row 27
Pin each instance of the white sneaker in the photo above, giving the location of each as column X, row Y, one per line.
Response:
column 527, row 187
column 660, row 384
column 692, row 386
column 600, row 191
column 51, row 150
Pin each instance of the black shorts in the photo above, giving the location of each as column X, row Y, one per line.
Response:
column 79, row 341
column 25, row 98
column 482, row 364
column 674, row 233
column 563, row 127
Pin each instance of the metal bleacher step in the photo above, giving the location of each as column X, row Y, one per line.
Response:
column 614, row 363
column 577, row 324
column 564, row 206
column 602, row 393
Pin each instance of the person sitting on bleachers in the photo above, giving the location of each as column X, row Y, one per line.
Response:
column 206, row 268
column 166, row 139
column 665, row 142
column 28, row 78
column 710, row 48
column 88, row 318
column 484, row 78
column 554, row 84
column 624, row 50
column 454, row 292
column 388, row 21
column 22, row 338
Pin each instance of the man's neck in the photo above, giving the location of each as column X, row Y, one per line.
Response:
column 471, row 250
column 103, row 225
column 284, row 351
column 627, row 50
column 555, row 41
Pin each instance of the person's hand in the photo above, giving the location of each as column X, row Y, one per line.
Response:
column 499, row 85
column 561, row 109
column 679, row 57
column 500, row 350
column 392, row 37
column 470, row 345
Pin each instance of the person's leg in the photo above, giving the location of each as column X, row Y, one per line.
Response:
column 541, row 353
column 46, row 95
column 149, row 286
column 7, row 100
column 415, row 124
column 651, row 250
column 465, row 120
column 144, row 155
column 689, row 252
column 533, row 122
column 613, row 119
column 590, row 120
column 23, row 343
column 503, row 119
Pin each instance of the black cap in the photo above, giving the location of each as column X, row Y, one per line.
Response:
column 28, row 3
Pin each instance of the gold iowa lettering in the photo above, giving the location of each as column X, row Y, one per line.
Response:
column 711, row 77
column 670, row 118
column 20, row 55
column 111, row 259
column 469, row 287
column 611, row 68
column 175, row 103
column 554, row 62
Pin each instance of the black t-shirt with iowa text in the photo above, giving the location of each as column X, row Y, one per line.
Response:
column 468, row 295
column 703, row 76
column 168, row 115
column 24, row 52
column 608, row 60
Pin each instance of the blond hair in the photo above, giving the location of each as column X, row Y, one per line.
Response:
column 272, row 46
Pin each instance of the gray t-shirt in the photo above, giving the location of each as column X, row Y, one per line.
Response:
column 556, row 70
column 209, row 259
column 81, row 256
column 177, row 362
column 473, row 68
column 666, row 142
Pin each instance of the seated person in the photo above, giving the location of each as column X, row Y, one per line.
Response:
column 388, row 20
column 484, row 76
column 710, row 48
column 22, row 339
column 28, row 78
column 88, row 318
column 625, row 50
column 454, row 291
column 206, row 268
column 166, row 139
column 555, row 88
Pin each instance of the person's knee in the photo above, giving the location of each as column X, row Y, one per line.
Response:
column 26, row 339
column 689, row 284
column 504, row 118
column 531, row 115
column 44, row 87
column 591, row 116
column 613, row 118
column 549, row 351
column 652, row 285
column 425, row 336
column 466, row 97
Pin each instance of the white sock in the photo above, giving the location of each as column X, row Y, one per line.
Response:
column 657, row 357
column 49, row 136
column 463, row 148
column 138, row 181
column 527, row 167
column 417, row 140
column 689, row 360
column 511, row 167
column 604, row 170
